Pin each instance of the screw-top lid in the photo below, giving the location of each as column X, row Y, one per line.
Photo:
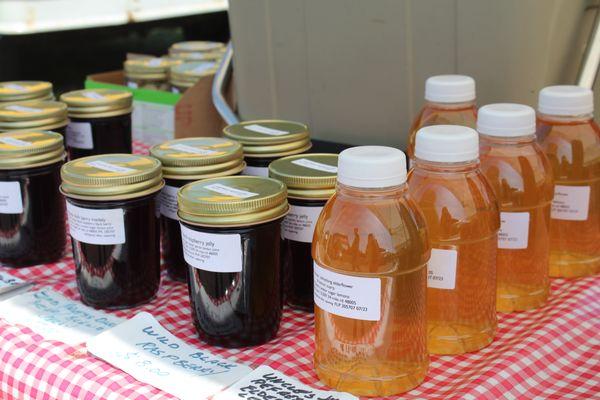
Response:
column 506, row 120
column 232, row 201
column 307, row 176
column 199, row 158
column 25, row 90
column 26, row 149
column 450, row 89
column 566, row 100
column 149, row 68
column 111, row 177
column 97, row 103
column 372, row 167
column 447, row 143
column 38, row 115
column 194, row 46
column 187, row 74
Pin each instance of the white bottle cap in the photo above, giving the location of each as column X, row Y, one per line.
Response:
column 506, row 120
column 372, row 167
column 447, row 143
column 450, row 89
column 566, row 100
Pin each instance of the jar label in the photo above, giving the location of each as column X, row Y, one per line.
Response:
column 168, row 201
column 192, row 150
column 315, row 165
column 155, row 62
column 514, row 230
column 23, row 109
column 571, row 203
column 255, row 171
column 92, row 226
column 441, row 269
column 346, row 295
column 11, row 201
column 109, row 167
column 174, row 90
column 15, row 86
column 230, row 191
column 211, row 251
column 299, row 224
column 79, row 135
column 15, row 142
column 93, row 95
column 266, row 130
column 132, row 85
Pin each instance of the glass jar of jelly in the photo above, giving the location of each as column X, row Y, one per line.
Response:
column 310, row 180
column 197, row 50
column 230, row 228
column 34, row 115
column 184, row 76
column 265, row 141
column 114, row 227
column 20, row 91
column 32, row 210
column 185, row 161
column 148, row 73
column 100, row 122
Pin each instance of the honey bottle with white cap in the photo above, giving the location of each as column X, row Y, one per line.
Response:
column 449, row 100
column 571, row 140
column 461, row 211
column 521, row 177
column 370, row 252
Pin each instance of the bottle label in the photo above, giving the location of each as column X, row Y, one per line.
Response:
column 168, row 202
column 79, row 135
column 571, row 203
column 212, row 252
column 255, row 171
column 315, row 165
column 11, row 201
column 346, row 295
column 266, row 130
column 514, row 230
column 104, row 227
column 441, row 269
column 230, row 191
column 299, row 224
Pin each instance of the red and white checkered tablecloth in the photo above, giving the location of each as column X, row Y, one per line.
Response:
column 552, row 353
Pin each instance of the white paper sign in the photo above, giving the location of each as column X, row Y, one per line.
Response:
column 168, row 201
column 266, row 130
column 441, row 269
column 151, row 354
column 571, row 203
column 96, row 226
column 8, row 280
column 55, row 317
column 346, row 295
column 315, row 165
column 79, row 135
column 11, row 201
column 255, row 171
column 265, row 383
column 212, row 252
column 230, row 191
column 514, row 230
column 299, row 224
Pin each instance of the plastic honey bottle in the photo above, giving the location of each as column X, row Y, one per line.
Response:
column 370, row 253
column 571, row 140
column 462, row 220
column 449, row 100
column 521, row 177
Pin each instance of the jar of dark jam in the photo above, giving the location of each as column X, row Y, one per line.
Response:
column 230, row 228
column 25, row 91
column 100, row 122
column 184, row 76
column 34, row 115
column 265, row 141
column 185, row 161
column 148, row 73
column 310, row 180
column 32, row 210
column 114, row 227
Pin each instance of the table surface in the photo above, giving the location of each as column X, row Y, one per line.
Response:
column 552, row 352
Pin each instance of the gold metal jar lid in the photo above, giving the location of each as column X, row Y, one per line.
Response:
column 26, row 149
column 232, row 201
column 199, row 158
column 186, row 74
column 39, row 115
column 196, row 46
column 25, row 90
column 97, row 103
column 111, row 177
column 149, row 68
column 266, row 132
column 307, row 176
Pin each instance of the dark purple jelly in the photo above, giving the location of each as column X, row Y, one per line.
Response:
column 172, row 250
column 109, row 135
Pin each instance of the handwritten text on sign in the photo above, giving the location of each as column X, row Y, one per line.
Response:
column 148, row 352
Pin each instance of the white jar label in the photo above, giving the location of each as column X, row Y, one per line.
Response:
column 266, row 130
column 571, row 203
column 168, row 201
column 15, row 142
column 15, row 86
column 255, row 171
column 109, row 167
column 11, row 201
column 514, row 230
column 315, row 165
column 346, row 295
column 229, row 191
column 132, row 85
column 192, row 150
column 93, row 95
column 79, row 135
column 175, row 90
column 299, row 224
column 23, row 109
column 441, row 269
column 212, row 252
column 93, row 226
column 155, row 62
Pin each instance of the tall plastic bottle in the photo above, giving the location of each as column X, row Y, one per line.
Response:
column 370, row 250
column 521, row 177
column 463, row 221
column 571, row 140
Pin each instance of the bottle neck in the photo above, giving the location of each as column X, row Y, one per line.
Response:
column 446, row 167
column 583, row 118
column 370, row 193
column 505, row 141
column 450, row 106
